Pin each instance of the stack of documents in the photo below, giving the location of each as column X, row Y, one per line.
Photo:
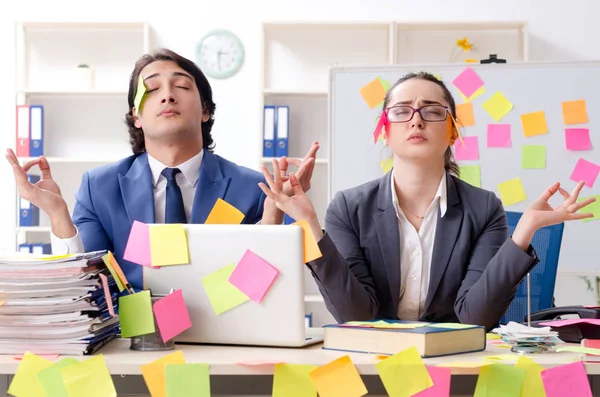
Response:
column 56, row 304
column 519, row 334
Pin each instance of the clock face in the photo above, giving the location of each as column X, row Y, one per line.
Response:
column 220, row 54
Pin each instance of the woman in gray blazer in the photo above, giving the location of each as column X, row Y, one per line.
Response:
column 419, row 243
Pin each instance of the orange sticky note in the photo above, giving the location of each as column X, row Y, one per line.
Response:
column 373, row 93
column 464, row 114
column 311, row 248
column 224, row 213
column 574, row 112
column 114, row 268
column 154, row 373
column 338, row 378
column 534, row 123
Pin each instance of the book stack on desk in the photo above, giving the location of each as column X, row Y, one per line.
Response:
column 56, row 305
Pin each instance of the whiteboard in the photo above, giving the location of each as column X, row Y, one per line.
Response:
column 531, row 87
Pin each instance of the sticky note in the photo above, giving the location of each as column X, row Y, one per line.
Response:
column 224, row 213
column 464, row 364
column 373, row 93
column 154, row 373
column 187, row 380
column 441, row 378
column 169, row 245
column 253, row 276
column 107, row 294
column 171, row 315
column 135, row 314
column 502, row 357
column 311, row 247
column 386, row 165
column 574, row 112
column 566, row 380
column 451, row 325
column 51, row 378
column 534, row 123
column 464, row 114
column 386, row 86
column 468, row 151
column 468, row 82
column 115, row 271
column 25, row 381
column 533, row 156
column 471, row 174
column 338, row 378
column 498, row 135
column 497, row 106
column 138, row 245
column 532, row 384
column 404, row 374
column 50, row 357
column 222, row 294
column 89, row 378
column 258, row 363
column 512, row 191
column 579, row 349
column 500, row 380
column 477, row 93
column 293, row 380
column 593, row 208
column 490, row 336
column 140, row 92
column 585, row 171
column 578, row 139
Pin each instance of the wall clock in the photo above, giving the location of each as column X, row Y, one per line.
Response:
column 220, row 54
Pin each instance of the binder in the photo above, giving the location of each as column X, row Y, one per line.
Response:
column 269, row 131
column 25, row 248
column 23, row 136
column 282, row 130
column 36, row 130
column 40, row 249
column 29, row 215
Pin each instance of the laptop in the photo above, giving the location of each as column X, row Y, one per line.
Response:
column 277, row 320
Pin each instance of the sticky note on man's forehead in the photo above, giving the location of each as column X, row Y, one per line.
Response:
column 139, row 94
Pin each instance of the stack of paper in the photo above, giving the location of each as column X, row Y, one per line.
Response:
column 519, row 334
column 56, row 305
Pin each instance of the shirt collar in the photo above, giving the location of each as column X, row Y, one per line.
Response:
column 441, row 194
column 190, row 168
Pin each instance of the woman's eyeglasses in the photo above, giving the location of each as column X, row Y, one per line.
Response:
column 404, row 113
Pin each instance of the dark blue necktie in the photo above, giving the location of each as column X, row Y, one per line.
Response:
column 174, row 209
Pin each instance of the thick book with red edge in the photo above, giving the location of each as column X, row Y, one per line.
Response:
column 591, row 344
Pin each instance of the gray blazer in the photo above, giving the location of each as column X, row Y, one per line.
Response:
column 475, row 267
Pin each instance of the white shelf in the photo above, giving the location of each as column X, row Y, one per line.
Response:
column 82, row 160
column 267, row 160
column 275, row 92
column 313, row 298
column 36, row 229
column 60, row 92
column 84, row 26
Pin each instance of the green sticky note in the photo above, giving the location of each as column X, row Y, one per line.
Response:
column 533, row 386
column 139, row 95
column 89, row 378
column 187, row 380
column 471, row 174
column 451, row 325
column 293, row 380
column 135, row 313
column 533, row 156
column 500, row 380
column 51, row 379
column 25, row 381
column 404, row 374
column 593, row 208
column 386, row 86
column 222, row 294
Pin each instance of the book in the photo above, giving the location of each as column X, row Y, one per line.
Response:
column 393, row 336
column 591, row 344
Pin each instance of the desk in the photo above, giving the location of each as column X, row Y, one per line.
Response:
column 257, row 380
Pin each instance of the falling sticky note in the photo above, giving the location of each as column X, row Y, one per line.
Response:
column 451, row 325
column 533, row 156
column 169, row 245
column 468, row 149
column 253, row 276
column 578, row 139
column 222, row 294
column 532, row 385
column 498, row 135
column 107, row 294
column 441, row 378
column 138, row 245
column 593, row 208
column 585, row 171
column 187, row 380
column 500, row 380
column 338, row 378
column 25, row 381
column 477, row 93
column 566, row 380
column 293, row 380
column 51, row 378
column 378, row 131
column 115, row 270
column 311, row 247
column 89, row 378
column 373, row 93
column 171, row 315
column 574, row 112
column 140, row 92
column 497, row 106
column 135, row 314
column 386, row 165
column 579, row 349
column 512, row 191
column 468, row 82
column 404, row 374
column 534, row 123
column 465, row 115
column 471, row 174
column 224, row 213
column 154, row 373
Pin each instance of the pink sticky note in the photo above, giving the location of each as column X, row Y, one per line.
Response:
column 585, row 171
column 253, row 276
column 468, row 82
column 171, row 315
column 566, row 380
column 470, row 150
column 578, row 139
column 380, row 125
column 571, row 321
column 498, row 135
column 107, row 294
column 138, row 245
column 441, row 382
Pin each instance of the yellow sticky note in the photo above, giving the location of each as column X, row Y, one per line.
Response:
column 574, row 112
column 89, row 378
column 293, row 380
column 499, row 380
column 471, row 174
column 221, row 293
column 490, row 336
column 168, row 245
column 311, row 247
column 404, row 374
column 338, row 378
column 464, row 114
column 532, row 385
column 512, row 191
column 154, row 372
column 140, row 92
column 533, row 156
column 25, row 381
column 451, row 325
column 593, row 208
column 502, row 357
column 534, row 123
column 579, row 349
column 386, row 165
column 477, row 93
column 224, row 213
column 373, row 93
column 115, row 270
column 497, row 106
column 400, row 325
column 464, row 364
column 51, row 379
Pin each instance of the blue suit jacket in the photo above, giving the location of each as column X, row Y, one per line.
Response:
column 111, row 197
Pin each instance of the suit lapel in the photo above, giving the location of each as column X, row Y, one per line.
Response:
column 137, row 191
column 211, row 186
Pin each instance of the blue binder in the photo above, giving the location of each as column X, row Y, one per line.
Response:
column 36, row 130
column 26, row 248
column 40, row 249
column 283, row 125
column 269, row 131
column 29, row 214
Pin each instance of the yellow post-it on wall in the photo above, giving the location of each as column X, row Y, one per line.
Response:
column 512, row 191
column 25, row 381
column 404, row 374
column 311, row 247
column 593, row 208
column 224, row 213
column 471, row 174
column 386, row 165
column 154, row 373
column 373, row 93
column 89, row 378
column 293, row 380
column 338, row 378
column 575, row 112
column 168, row 245
column 534, row 123
column 480, row 91
column 464, row 114
column 497, row 106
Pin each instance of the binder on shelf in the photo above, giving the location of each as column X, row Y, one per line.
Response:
column 26, row 248
column 29, row 215
column 23, row 131
column 40, row 249
column 282, row 130
column 36, row 130
column 269, row 131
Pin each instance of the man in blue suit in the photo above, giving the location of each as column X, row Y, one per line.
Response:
column 173, row 175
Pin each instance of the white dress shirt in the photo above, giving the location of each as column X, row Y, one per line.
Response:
column 416, row 249
column 187, row 180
